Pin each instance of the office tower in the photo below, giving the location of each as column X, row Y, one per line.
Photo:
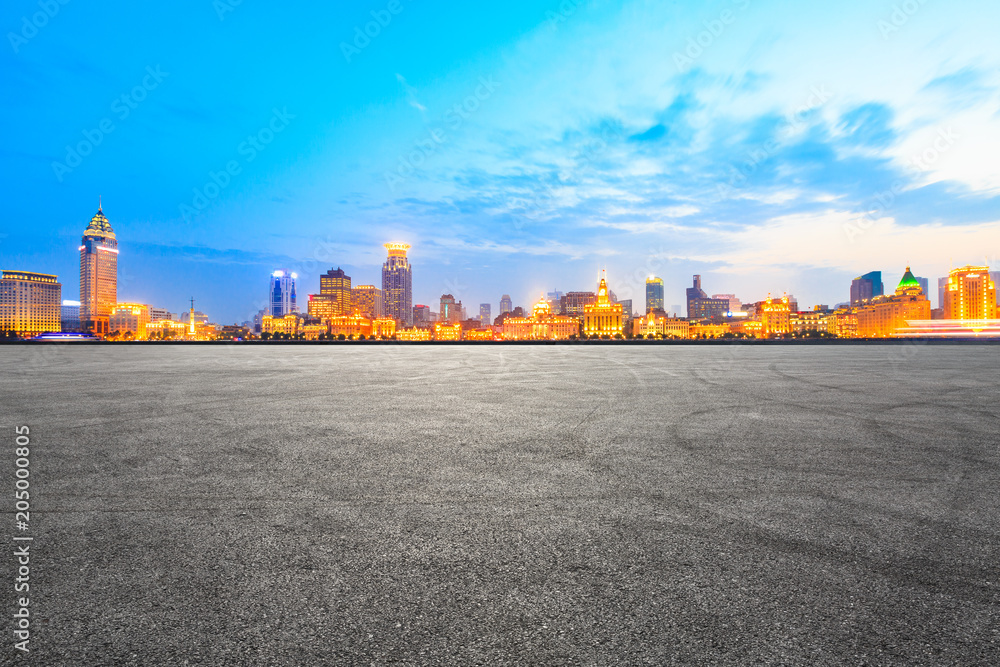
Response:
column 700, row 306
column 450, row 310
column 159, row 314
column 367, row 300
column 335, row 286
column 98, row 275
column 866, row 287
column 130, row 318
column 603, row 317
column 422, row 315
column 506, row 305
column 573, row 303
column 924, row 286
column 282, row 293
column 626, row 305
column 30, row 303
column 970, row 294
column 942, row 285
column 554, row 298
column 397, row 284
column 734, row 304
column 654, row 294
column 485, row 316
column 884, row 315
column 69, row 316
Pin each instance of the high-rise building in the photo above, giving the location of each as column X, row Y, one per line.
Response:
column 98, row 274
column 542, row 325
column 397, row 284
column 367, row 300
column 30, row 303
column 942, row 285
column 572, row 304
column 485, row 315
column 335, row 285
column 282, row 293
column 450, row 311
column 130, row 318
column 506, row 304
column 924, row 286
column 970, row 294
column 867, row 287
column 654, row 294
column 700, row 306
column 554, row 298
column 603, row 317
column 70, row 316
column 734, row 304
column 885, row 316
column 422, row 315
column 626, row 305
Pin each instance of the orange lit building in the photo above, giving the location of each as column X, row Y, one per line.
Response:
column 413, row 333
column 885, row 316
column 480, row 334
column 30, row 303
column 98, row 275
column 701, row 330
column 542, row 325
column 130, row 317
column 446, row 331
column 658, row 324
column 166, row 329
column 970, row 294
column 289, row 324
column 367, row 300
column 383, row 327
column 350, row 325
column 603, row 317
column 775, row 317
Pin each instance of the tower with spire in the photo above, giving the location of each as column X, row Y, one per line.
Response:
column 98, row 274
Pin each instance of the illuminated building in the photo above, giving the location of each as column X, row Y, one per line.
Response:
column 810, row 321
column 775, row 317
column 350, row 325
column 422, row 316
column 321, row 307
column 70, row 316
column 413, row 334
column 700, row 306
column 573, row 303
column 542, row 325
column 480, row 334
column 883, row 316
column 655, row 323
column 626, row 305
column 130, row 317
column 367, row 300
column 654, row 293
column 451, row 310
column 383, row 327
column 166, row 329
column 98, row 275
column 506, row 305
column 702, row 330
column 335, row 287
column 603, row 317
column 282, row 293
column 485, row 317
column 397, row 284
column 843, row 323
column 867, row 287
column 157, row 314
column 970, row 294
column 287, row 324
column 446, row 331
column 735, row 305
column 30, row 303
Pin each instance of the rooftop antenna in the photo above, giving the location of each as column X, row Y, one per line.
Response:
column 100, row 206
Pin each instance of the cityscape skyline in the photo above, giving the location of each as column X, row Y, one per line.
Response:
column 771, row 148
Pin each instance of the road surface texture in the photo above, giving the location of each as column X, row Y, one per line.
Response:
column 495, row 505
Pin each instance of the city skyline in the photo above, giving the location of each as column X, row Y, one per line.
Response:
column 710, row 151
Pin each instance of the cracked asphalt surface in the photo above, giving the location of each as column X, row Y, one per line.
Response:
column 592, row 505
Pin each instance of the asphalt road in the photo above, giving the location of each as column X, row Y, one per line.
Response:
column 602, row 505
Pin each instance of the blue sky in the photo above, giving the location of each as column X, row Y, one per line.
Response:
column 519, row 147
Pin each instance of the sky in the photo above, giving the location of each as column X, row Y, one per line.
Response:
column 519, row 147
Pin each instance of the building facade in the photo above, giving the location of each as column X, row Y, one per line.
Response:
column 70, row 316
column 30, row 303
column 885, row 316
column 603, row 317
column 282, row 293
column 98, row 275
column 422, row 315
column 367, row 300
column 656, row 324
column 775, row 317
column 485, row 316
column 130, row 318
column 397, row 284
column 654, row 294
column 970, row 294
column 573, row 304
column 506, row 305
column 867, row 287
column 542, row 325
column 700, row 306
column 450, row 310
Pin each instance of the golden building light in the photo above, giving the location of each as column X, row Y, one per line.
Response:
column 30, row 303
column 98, row 274
column 603, row 317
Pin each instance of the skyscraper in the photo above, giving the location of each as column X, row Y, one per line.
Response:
column 335, row 295
column 970, row 294
column 98, row 275
column 451, row 310
column 367, row 300
column 422, row 315
column 30, row 303
column 397, row 284
column 282, row 293
column 654, row 293
column 700, row 306
column 485, row 316
column 506, row 305
column 867, row 287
